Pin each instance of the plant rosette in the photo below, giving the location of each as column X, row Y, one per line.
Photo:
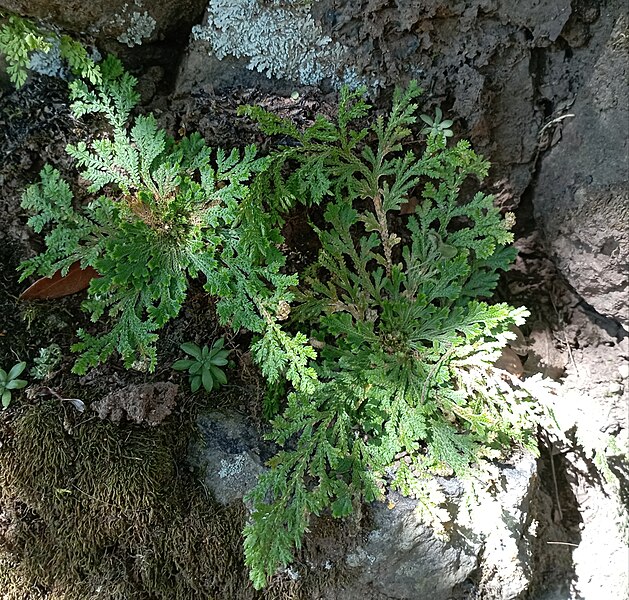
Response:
column 9, row 381
column 204, row 368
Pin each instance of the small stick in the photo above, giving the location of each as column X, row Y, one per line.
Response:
column 564, row 544
column 557, row 120
column 565, row 337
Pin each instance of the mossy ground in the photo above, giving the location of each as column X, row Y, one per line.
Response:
column 94, row 510
column 110, row 512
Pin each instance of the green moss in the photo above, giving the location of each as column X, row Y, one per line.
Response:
column 101, row 511
column 107, row 512
column 13, row 584
column 37, row 457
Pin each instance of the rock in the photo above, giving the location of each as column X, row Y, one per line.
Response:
column 129, row 22
column 404, row 559
column 582, row 193
column 227, row 455
column 148, row 403
column 401, row 558
column 477, row 58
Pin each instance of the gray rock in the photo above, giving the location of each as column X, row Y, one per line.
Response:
column 227, row 454
column 582, row 193
column 404, row 559
column 128, row 22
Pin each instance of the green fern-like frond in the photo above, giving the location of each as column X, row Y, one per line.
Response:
column 20, row 38
column 167, row 211
column 398, row 306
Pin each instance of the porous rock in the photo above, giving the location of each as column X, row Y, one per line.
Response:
column 129, row 22
column 489, row 540
column 148, row 403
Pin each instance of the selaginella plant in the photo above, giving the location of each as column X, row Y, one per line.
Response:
column 160, row 211
column 205, row 365
column 398, row 306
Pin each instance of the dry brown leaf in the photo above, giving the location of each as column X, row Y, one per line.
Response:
column 58, row 285
column 509, row 361
column 408, row 207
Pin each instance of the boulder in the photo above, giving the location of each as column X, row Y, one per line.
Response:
column 129, row 22
column 400, row 557
column 582, row 192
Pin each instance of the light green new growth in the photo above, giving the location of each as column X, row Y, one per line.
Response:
column 21, row 38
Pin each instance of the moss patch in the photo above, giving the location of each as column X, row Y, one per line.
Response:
column 94, row 510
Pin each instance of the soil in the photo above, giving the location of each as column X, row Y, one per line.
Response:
column 566, row 338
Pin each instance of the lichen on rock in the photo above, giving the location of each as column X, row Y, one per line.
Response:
column 280, row 39
column 227, row 455
column 141, row 27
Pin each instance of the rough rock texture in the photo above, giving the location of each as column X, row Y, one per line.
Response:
column 400, row 557
column 130, row 22
column 489, row 541
column 228, row 455
column 581, row 195
column 581, row 514
column 474, row 58
column 148, row 403
column 593, row 407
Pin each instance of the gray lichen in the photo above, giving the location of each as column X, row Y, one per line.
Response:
column 139, row 25
column 49, row 63
column 280, row 39
column 233, row 468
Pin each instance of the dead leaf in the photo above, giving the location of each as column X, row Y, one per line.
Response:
column 77, row 403
column 509, row 361
column 58, row 285
column 519, row 344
